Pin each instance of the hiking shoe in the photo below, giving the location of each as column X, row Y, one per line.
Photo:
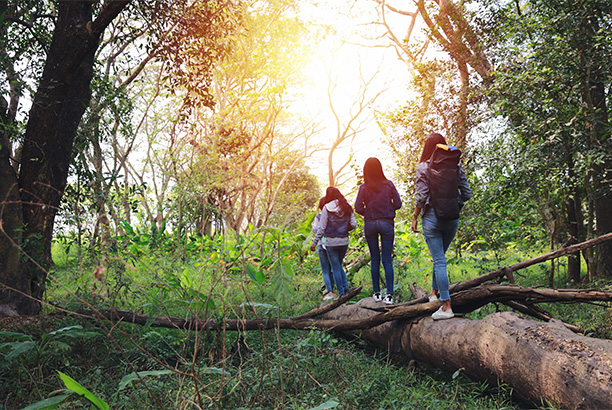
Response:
column 443, row 314
column 377, row 297
column 388, row 299
column 329, row 296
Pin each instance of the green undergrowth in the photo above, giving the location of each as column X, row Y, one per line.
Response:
column 250, row 370
column 64, row 360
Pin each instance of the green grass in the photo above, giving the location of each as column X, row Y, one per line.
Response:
column 267, row 370
column 247, row 370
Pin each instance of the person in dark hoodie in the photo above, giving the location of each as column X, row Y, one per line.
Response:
column 337, row 219
column 377, row 200
column 438, row 233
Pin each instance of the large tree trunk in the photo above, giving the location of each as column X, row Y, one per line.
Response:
column 541, row 362
column 594, row 99
column 60, row 101
column 11, row 222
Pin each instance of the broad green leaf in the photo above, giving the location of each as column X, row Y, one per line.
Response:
column 255, row 274
column 413, row 243
column 65, row 329
column 14, row 335
column 50, row 403
column 75, row 386
column 19, row 348
column 127, row 227
column 330, row 404
column 135, row 376
column 282, row 281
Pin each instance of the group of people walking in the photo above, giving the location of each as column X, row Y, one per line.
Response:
column 377, row 201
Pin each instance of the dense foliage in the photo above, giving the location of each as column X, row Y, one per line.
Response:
column 262, row 273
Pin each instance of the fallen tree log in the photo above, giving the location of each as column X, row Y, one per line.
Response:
column 544, row 363
column 465, row 301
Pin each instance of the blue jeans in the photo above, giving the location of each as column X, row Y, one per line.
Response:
column 439, row 235
column 385, row 229
column 336, row 254
column 326, row 270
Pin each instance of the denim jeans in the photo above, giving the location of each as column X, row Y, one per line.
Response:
column 326, row 270
column 336, row 254
column 385, row 229
column 439, row 234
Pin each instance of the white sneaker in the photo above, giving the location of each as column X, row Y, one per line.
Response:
column 442, row 314
column 433, row 298
column 388, row 299
column 329, row 296
column 377, row 297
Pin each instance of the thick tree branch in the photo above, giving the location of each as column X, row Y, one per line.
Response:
column 109, row 12
column 462, row 302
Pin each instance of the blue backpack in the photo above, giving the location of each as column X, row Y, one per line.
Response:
column 443, row 181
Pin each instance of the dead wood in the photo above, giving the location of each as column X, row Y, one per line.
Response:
column 417, row 292
column 508, row 271
column 544, row 363
column 303, row 321
column 538, row 313
column 465, row 301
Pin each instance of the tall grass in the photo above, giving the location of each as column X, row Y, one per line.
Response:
column 265, row 273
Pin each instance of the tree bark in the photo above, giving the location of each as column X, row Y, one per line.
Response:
column 594, row 99
column 61, row 99
column 544, row 363
column 11, row 222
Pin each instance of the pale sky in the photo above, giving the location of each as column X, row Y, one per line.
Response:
column 345, row 54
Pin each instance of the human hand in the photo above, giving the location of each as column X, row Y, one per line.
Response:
column 415, row 224
column 313, row 247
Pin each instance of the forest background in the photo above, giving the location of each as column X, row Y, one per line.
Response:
column 167, row 157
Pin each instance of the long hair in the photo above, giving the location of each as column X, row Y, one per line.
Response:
column 373, row 175
column 333, row 193
column 430, row 145
column 321, row 203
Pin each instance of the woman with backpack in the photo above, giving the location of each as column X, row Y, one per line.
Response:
column 328, row 279
column 337, row 219
column 441, row 190
column 377, row 200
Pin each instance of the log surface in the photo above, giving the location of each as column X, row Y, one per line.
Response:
column 544, row 363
